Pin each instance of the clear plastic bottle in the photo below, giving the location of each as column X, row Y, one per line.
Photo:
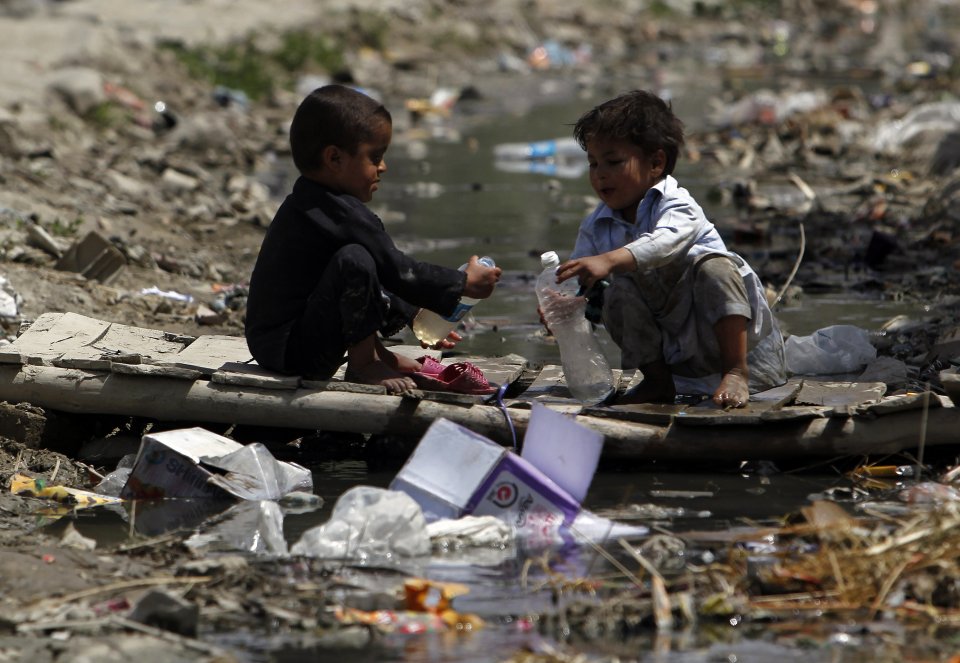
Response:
column 430, row 327
column 585, row 367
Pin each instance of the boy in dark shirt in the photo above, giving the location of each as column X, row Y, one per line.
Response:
column 328, row 277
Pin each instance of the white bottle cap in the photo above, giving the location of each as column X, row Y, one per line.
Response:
column 549, row 259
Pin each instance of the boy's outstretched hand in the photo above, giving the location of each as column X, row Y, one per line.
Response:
column 590, row 269
column 481, row 280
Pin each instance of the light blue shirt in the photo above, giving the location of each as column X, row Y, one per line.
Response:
column 669, row 225
column 670, row 231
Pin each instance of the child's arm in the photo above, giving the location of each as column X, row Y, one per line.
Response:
column 591, row 269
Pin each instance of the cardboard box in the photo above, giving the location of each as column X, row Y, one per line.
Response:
column 193, row 462
column 455, row 472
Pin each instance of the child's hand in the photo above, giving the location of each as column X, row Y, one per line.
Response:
column 591, row 269
column 445, row 344
column 481, row 280
column 587, row 270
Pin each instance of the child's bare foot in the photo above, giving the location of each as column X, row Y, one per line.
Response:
column 398, row 362
column 649, row 391
column 733, row 390
column 379, row 373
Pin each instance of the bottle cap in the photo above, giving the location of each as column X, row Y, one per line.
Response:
column 549, row 259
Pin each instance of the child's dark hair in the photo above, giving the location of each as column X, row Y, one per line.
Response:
column 333, row 115
column 639, row 117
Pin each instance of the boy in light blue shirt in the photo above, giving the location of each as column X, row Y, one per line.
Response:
column 688, row 313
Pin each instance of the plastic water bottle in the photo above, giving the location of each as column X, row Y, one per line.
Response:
column 585, row 367
column 431, row 328
column 541, row 149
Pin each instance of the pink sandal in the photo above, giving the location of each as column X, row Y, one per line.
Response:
column 462, row 377
column 430, row 366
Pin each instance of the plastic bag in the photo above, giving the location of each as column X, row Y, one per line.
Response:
column 834, row 349
column 372, row 526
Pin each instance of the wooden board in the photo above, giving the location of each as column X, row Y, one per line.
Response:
column 209, row 353
column 827, row 392
column 549, row 386
column 72, row 340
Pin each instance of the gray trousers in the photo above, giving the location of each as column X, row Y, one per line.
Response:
column 669, row 314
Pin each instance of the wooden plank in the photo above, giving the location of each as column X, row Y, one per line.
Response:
column 648, row 413
column 705, row 413
column 51, row 334
column 549, row 386
column 825, row 392
column 708, row 413
column 150, row 370
column 252, row 375
column 901, row 403
column 796, row 413
column 71, row 390
column 209, row 353
column 782, row 395
column 72, row 339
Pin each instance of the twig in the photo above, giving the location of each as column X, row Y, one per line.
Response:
column 615, row 562
column 887, row 586
column 796, row 266
column 90, row 469
column 923, row 430
column 56, row 468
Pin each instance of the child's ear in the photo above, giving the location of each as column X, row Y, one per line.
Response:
column 330, row 156
column 659, row 161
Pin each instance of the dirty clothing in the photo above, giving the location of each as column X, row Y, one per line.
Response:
column 328, row 275
column 686, row 281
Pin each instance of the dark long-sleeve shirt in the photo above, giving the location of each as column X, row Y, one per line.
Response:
column 311, row 225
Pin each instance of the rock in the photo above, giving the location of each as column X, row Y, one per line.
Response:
column 176, row 182
column 80, row 87
column 168, row 612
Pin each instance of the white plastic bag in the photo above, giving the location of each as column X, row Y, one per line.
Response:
column 834, row 349
column 372, row 526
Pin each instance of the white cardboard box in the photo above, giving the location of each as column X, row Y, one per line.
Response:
column 183, row 463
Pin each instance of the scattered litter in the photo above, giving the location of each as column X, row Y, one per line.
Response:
column 252, row 526
column 369, row 526
column 455, row 472
column 831, row 350
column 10, row 301
column 194, row 462
column 470, row 532
column 94, row 256
column 167, row 294
column 28, row 486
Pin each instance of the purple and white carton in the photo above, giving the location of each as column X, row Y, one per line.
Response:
column 539, row 510
column 455, row 472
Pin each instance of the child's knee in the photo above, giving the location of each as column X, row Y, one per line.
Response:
column 355, row 258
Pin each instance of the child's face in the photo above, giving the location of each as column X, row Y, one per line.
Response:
column 359, row 174
column 621, row 173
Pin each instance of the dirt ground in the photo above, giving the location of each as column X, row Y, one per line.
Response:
column 83, row 148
